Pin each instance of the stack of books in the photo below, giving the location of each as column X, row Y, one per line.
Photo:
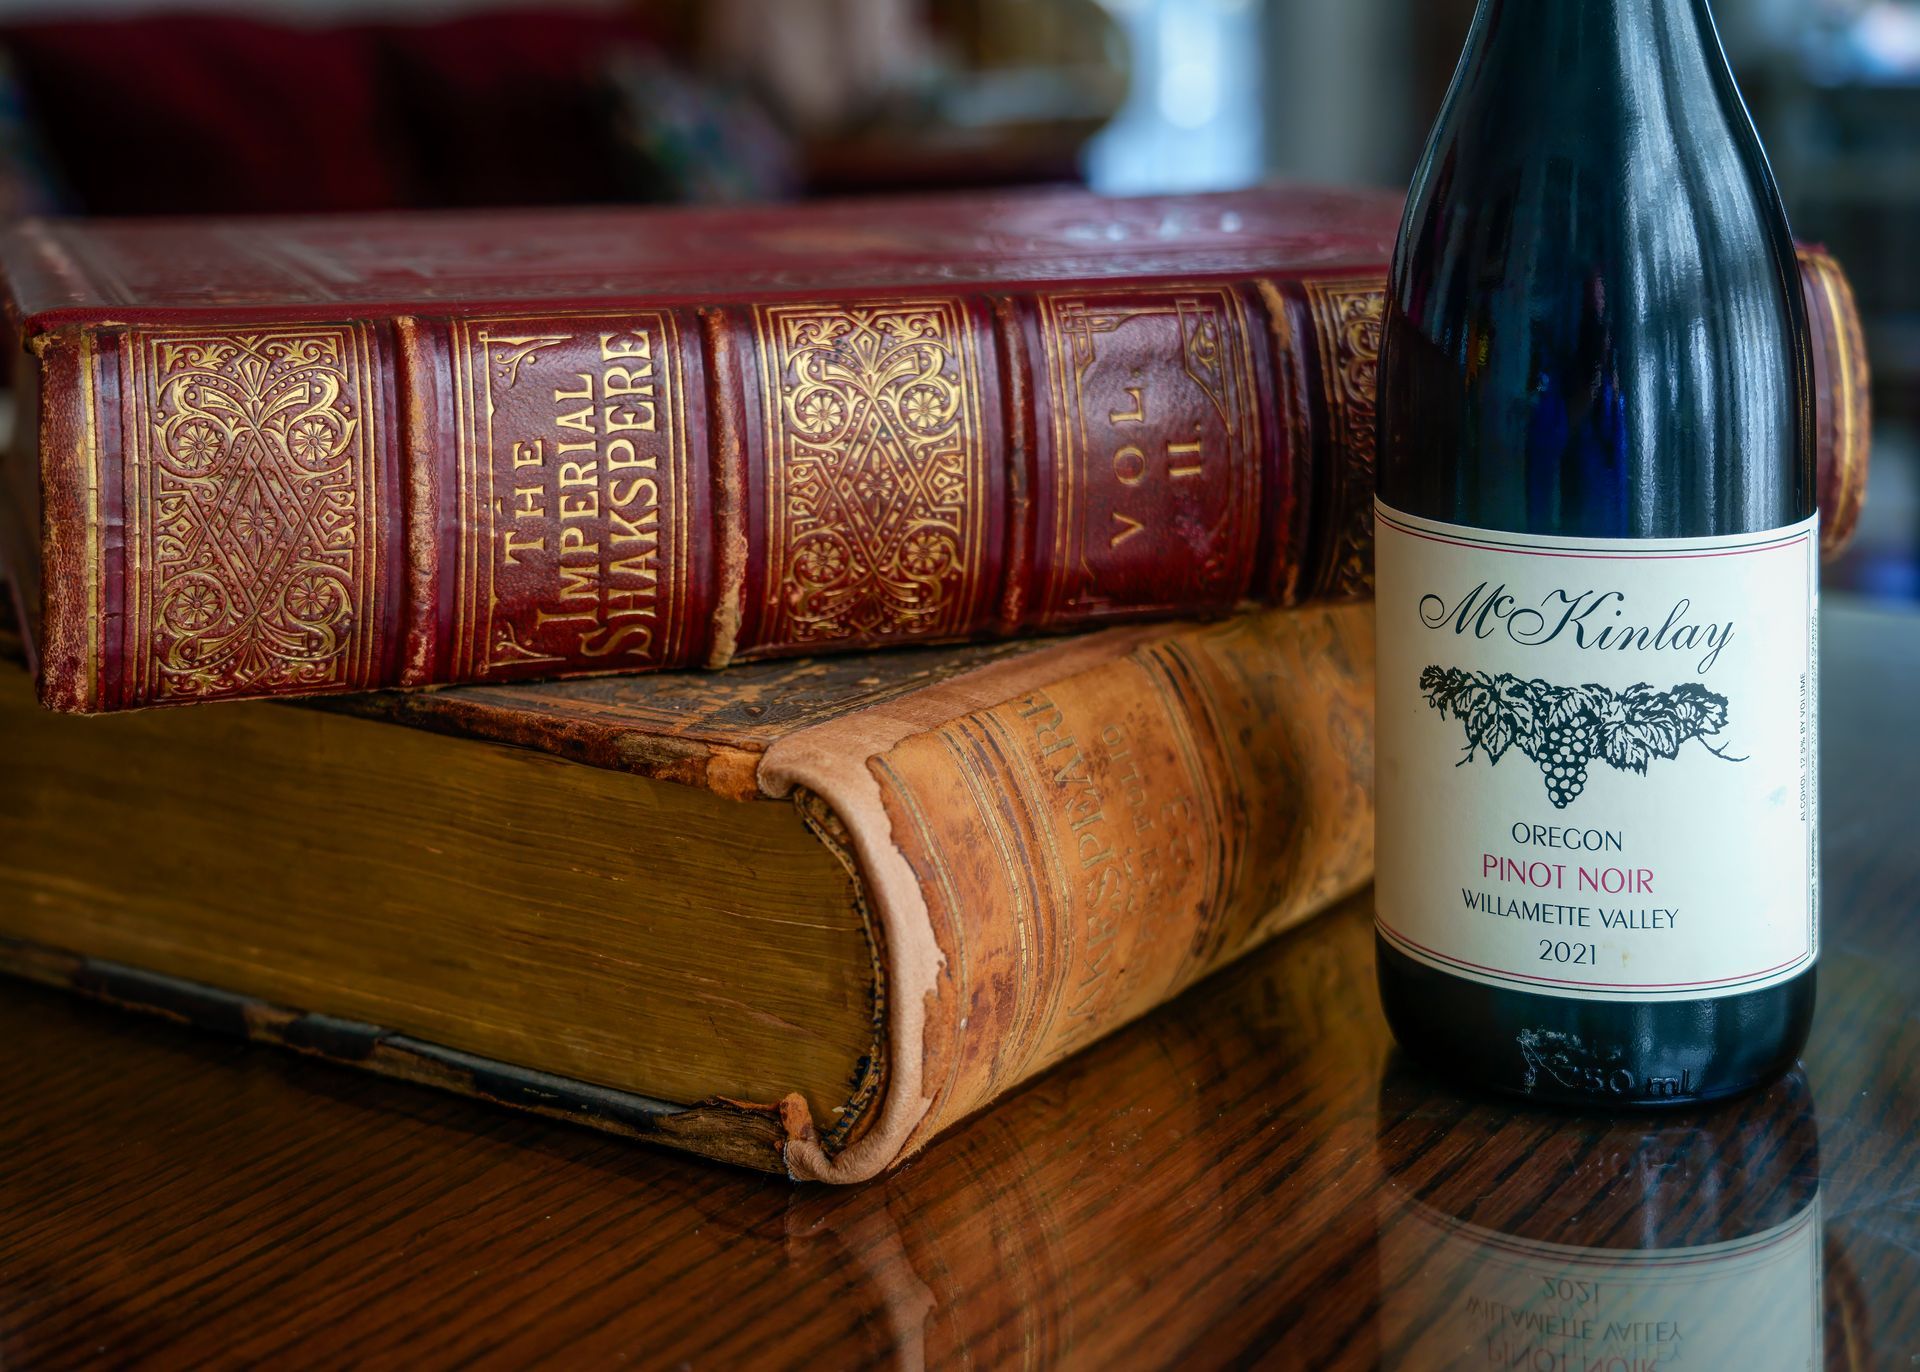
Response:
column 765, row 681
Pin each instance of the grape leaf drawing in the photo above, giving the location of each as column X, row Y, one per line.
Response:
column 1563, row 729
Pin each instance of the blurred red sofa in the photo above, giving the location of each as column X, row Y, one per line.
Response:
column 213, row 113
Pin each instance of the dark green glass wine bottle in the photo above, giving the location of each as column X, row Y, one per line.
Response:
column 1597, row 567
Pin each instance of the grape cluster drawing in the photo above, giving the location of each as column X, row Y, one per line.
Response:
column 1564, row 729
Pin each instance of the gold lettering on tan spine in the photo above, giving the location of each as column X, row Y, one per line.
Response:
column 1114, row 840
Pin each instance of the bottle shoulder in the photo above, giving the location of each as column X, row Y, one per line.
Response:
column 1594, row 322
column 1605, row 147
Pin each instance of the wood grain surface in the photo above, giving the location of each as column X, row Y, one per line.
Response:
column 1247, row 1177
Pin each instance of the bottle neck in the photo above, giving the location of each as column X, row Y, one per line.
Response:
column 1636, row 31
column 1640, row 66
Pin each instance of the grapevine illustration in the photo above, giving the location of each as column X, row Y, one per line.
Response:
column 1565, row 728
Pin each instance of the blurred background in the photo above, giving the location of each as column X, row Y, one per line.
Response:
column 260, row 106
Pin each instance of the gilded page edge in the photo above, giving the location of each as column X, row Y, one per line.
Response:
column 1830, row 294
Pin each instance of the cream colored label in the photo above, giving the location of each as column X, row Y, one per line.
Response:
column 1459, row 1296
column 1597, row 758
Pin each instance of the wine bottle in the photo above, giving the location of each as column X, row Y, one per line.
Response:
column 1596, row 575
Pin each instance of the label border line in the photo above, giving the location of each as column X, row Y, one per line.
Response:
column 1421, row 953
column 1799, row 539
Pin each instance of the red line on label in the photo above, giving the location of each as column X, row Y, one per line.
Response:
column 1594, row 557
column 1391, row 932
column 1629, row 1259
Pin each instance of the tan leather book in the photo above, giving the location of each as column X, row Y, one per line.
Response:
column 801, row 915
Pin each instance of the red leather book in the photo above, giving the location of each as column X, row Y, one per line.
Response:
column 287, row 457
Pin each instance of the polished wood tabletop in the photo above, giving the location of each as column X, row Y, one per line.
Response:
column 1251, row 1176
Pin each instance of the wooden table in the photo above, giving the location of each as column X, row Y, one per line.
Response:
column 1253, row 1175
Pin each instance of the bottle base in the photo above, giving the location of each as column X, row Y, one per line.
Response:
column 1591, row 1054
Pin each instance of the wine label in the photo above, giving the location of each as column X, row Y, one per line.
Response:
column 1596, row 758
column 1458, row 1295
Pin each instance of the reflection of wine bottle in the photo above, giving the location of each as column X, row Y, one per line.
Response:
column 1614, row 1247
column 1596, row 574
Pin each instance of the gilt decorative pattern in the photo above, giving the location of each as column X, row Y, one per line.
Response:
column 875, row 489
column 250, row 487
column 1348, row 316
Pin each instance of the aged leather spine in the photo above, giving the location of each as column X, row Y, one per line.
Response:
column 1055, row 845
column 290, row 508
